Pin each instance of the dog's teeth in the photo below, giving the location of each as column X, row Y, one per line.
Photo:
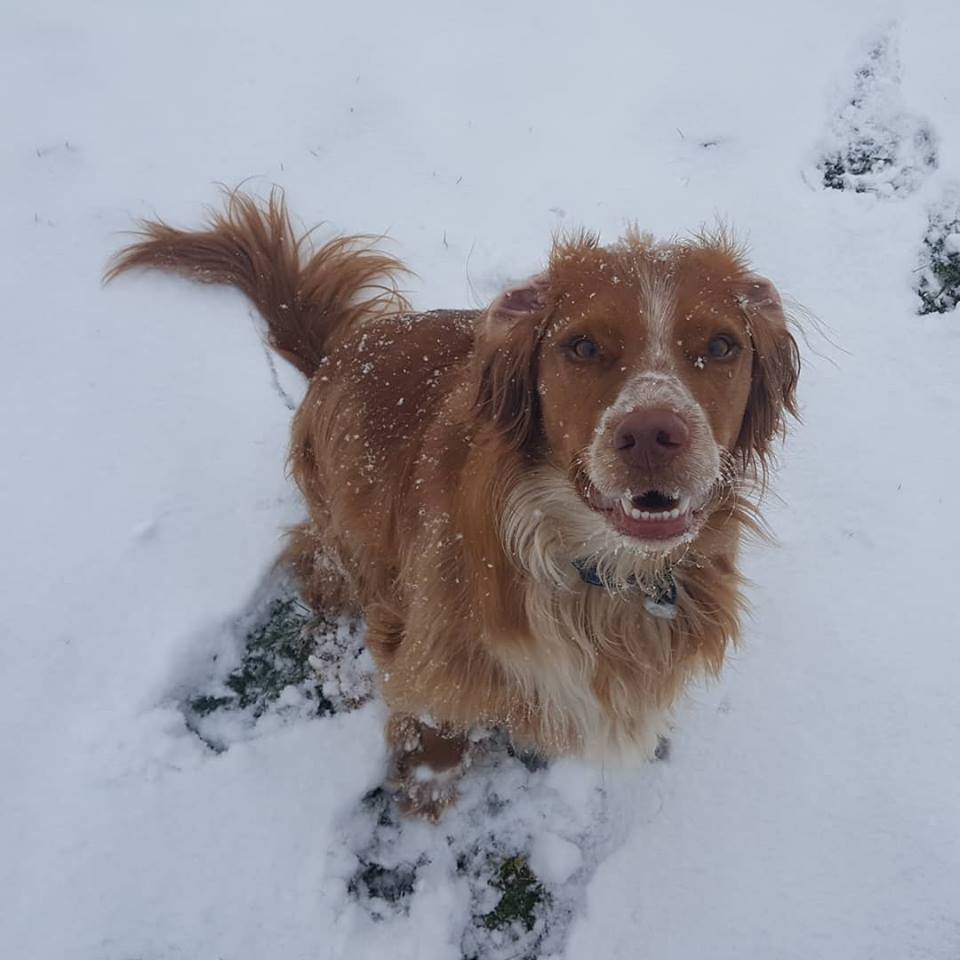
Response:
column 626, row 502
column 652, row 514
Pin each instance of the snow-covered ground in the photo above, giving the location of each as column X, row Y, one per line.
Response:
column 810, row 804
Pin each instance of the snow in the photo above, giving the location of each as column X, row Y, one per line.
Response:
column 810, row 804
column 555, row 859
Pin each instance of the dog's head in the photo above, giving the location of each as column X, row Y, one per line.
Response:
column 644, row 378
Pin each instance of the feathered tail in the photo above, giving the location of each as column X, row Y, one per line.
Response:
column 305, row 296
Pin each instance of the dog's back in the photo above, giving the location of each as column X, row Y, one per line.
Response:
column 357, row 439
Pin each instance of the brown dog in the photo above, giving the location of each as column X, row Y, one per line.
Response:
column 537, row 507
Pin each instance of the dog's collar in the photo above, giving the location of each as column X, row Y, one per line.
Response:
column 659, row 599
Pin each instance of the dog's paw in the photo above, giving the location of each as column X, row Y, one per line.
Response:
column 426, row 764
column 425, row 792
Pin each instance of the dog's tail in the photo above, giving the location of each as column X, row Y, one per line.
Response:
column 304, row 295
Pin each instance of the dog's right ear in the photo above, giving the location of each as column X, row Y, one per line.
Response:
column 508, row 343
column 775, row 371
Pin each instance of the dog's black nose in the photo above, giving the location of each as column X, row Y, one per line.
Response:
column 650, row 436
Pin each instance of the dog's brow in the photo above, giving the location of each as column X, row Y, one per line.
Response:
column 657, row 305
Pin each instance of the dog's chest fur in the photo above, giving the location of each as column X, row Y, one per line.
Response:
column 603, row 671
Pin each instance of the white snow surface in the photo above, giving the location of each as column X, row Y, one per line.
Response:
column 810, row 804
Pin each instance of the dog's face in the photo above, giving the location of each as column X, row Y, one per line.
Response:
column 650, row 375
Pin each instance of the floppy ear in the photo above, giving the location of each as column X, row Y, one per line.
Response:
column 507, row 348
column 776, row 369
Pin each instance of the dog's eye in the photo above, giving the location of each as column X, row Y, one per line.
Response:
column 722, row 347
column 584, row 348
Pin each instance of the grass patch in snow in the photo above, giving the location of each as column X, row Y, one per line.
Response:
column 875, row 144
column 484, row 841
column 292, row 662
column 939, row 283
column 512, row 909
column 276, row 656
column 521, row 894
column 377, row 882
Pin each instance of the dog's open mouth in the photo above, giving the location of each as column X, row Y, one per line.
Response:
column 651, row 515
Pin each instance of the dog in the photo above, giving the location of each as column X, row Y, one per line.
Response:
column 537, row 507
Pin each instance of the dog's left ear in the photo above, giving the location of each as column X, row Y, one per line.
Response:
column 776, row 368
column 507, row 348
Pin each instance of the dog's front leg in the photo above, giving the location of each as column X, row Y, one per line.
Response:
column 426, row 762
